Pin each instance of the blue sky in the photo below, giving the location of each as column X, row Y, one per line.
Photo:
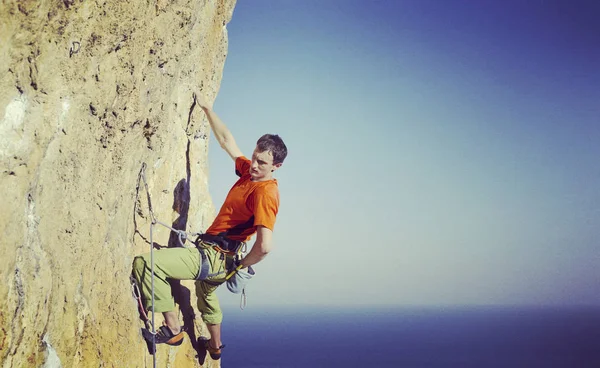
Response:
column 440, row 152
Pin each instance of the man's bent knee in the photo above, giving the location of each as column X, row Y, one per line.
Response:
column 213, row 319
column 139, row 264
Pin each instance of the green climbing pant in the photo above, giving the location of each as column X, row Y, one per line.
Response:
column 183, row 264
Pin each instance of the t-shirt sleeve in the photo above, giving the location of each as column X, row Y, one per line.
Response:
column 242, row 166
column 266, row 206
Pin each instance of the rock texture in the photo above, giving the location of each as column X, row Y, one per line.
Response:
column 89, row 91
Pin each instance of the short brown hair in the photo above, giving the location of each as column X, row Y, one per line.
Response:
column 274, row 144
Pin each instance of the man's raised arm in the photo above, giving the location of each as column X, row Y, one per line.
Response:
column 220, row 130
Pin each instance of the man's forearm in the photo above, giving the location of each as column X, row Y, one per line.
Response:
column 257, row 254
column 220, row 130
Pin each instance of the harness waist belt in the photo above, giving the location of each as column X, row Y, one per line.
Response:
column 221, row 241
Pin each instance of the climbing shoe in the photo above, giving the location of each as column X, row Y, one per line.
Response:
column 215, row 354
column 164, row 335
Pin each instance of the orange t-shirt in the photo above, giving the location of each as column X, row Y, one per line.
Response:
column 248, row 205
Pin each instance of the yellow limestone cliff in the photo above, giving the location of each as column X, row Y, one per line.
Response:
column 89, row 91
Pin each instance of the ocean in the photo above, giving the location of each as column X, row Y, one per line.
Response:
column 427, row 337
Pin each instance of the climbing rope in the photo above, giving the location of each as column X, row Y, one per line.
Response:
column 153, row 221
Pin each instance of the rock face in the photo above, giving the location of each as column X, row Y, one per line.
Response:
column 89, row 92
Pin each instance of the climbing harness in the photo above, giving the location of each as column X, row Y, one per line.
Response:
column 219, row 242
column 222, row 244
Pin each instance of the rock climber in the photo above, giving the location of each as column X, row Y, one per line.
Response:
column 250, row 208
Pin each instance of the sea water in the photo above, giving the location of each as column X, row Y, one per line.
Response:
column 420, row 337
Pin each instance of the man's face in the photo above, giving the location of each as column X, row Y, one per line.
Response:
column 262, row 166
